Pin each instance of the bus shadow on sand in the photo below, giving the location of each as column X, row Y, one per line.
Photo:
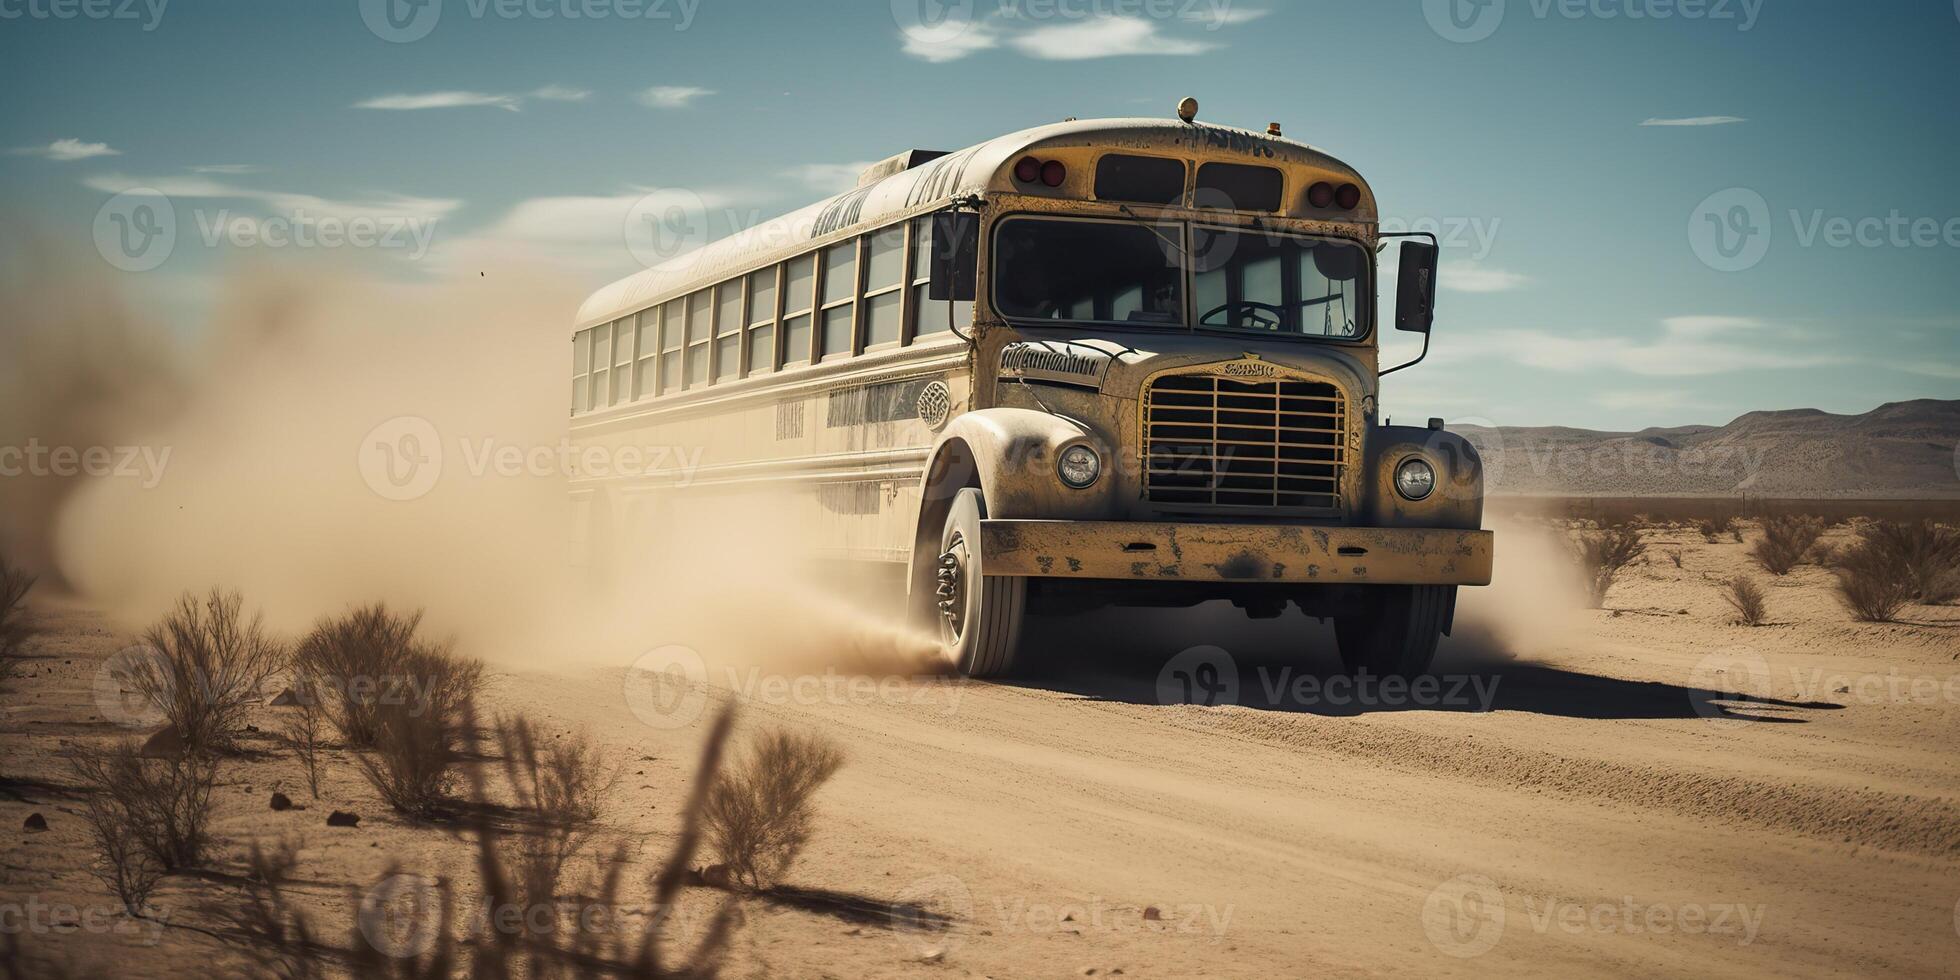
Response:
column 1468, row 677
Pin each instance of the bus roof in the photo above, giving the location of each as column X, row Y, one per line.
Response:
column 938, row 179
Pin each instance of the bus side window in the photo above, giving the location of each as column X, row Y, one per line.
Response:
column 884, row 277
column 672, row 318
column 762, row 320
column 839, row 301
column 646, row 373
column 698, row 314
column 601, row 359
column 728, row 330
column 929, row 314
column 581, row 369
column 799, row 292
column 622, row 358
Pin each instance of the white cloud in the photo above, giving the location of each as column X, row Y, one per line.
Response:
column 1687, row 346
column 229, row 169
column 561, row 93
column 68, row 150
column 828, row 177
column 441, row 100
column 672, row 96
column 282, row 202
column 1103, row 37
column 1223, row 15
column 979, row 36
column 604, row 234
column 1696, row 121
column 1464, row 278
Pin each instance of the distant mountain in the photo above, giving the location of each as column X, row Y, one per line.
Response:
column 1898, row 450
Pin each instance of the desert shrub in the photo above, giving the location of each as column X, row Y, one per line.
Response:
column 759, row 814
column 1602, row 554
column 360, row 662
column 148, row 816
column 1873, row 582
column 1714, row 527
column 1786, row 539
column 562, row 781
column 14, row 629
column 1748, row 600
column 548, row 953
column 303, row 733
column 1925, row 553
column 412, row 758
column 207, row 663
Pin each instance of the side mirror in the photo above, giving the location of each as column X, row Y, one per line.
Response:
column 955, row 256
column 1415, row 288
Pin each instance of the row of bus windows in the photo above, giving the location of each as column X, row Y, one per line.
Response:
column 854, row 296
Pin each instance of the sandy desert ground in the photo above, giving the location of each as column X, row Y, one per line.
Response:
column 1584, row 793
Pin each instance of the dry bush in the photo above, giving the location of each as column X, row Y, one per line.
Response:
column 563, row 780
column 1786, row 539
column 14, row 629
column 1751, row 604
column 551, row 953
column 1873, row 582
column 148, row 816
column 1713, row 528
column 207, row 663
column 359, row 662
column 1927, row 554
column 303, row 731
column 412, row 758
column 759, row 813
column 1602, row 554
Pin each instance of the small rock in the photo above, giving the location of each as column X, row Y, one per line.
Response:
column 341, row 818
column 1151, row 914
column 281, row 801
column 1069, row 917
column 251, row 728
column 165, row 744
column 35, row 824
column 715, row 876
column 933, row 957
column 285, row 699
column 1841, row 689
column 1087, row 971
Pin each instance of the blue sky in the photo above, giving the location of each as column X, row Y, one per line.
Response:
column 1564, row 149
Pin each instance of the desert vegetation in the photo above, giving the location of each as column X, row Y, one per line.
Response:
column 759, row 814
column 1602, row 554
column 205, row 664
column 147, row 816
column 15, row 631
column 1894, row 563
column 1748, row 600
column 1786, row 540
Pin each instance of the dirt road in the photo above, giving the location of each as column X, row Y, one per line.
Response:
column 1589, row 800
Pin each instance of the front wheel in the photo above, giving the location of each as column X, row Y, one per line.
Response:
column 1396, row 635
column 979, row 614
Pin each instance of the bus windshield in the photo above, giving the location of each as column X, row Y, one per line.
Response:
column 1094, row 271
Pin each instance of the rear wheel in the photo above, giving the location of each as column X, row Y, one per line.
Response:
column 1397, row 634
column 980, row 615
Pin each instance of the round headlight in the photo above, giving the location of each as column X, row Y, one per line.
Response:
column 1079, row 466
column 1415, row 478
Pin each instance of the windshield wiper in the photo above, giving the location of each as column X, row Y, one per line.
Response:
column 1152, row 226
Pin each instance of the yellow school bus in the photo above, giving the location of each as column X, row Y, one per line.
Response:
column 1125, row 362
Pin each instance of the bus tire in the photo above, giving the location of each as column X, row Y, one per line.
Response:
column 979, row 615
column 1397, row 635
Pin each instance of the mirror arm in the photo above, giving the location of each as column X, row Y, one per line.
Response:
column 1425, row 336
column 1418, row 360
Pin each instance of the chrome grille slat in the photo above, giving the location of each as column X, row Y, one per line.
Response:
column 1214, row 441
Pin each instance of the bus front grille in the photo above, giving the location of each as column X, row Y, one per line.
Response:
column 1227, row 442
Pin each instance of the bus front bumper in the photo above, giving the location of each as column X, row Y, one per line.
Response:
column 1269, row 553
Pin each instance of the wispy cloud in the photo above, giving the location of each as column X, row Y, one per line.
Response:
column 1686, row 346
column 1466, row 278
column 1103, row 37
column 828, row 177
column 673, row 96
column 67, row 150
column 1223, row 16
column 441, row 100
column 227, row 169
column 1696, row 121
column 282, row 202
column 980, row 36
column 561, row 93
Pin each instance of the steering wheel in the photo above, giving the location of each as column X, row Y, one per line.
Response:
column 1264, row 316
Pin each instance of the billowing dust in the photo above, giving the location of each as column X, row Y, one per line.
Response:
column 266, row 404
